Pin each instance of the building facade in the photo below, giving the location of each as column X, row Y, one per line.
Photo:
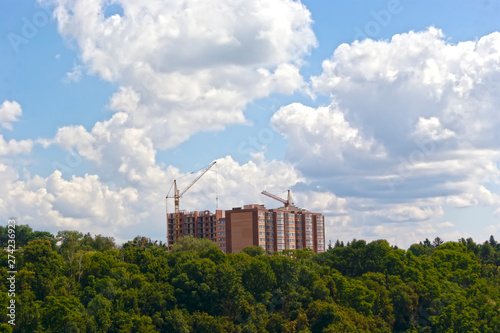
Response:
column 285, row 228
column 202, row 224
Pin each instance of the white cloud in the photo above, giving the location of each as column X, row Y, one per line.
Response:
column 9, row 112
column 432, row 129
column 190, row 66
column 446, row 224
column 412, row 127
column 14, row 147
column 322, row 136
column 415, row 76
column 181, row 68
column 75, row 75
column 91, row 204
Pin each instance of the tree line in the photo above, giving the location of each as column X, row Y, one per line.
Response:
column 74, row 282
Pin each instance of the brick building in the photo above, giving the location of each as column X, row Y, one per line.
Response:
column 284, row 228
column 202, row 224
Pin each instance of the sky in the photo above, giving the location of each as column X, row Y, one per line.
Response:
column 382, row 115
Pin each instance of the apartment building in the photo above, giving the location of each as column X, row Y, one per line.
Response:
column 285, row 228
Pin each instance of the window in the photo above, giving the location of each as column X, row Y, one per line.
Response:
column 222, row 234
column 270, row 240
column 270, row 233
column 281, row 234
column 262, row 226
column 290, row 234
column 262, row 240
column 280, row 227
column 281, row 246
column 290, row 228
column 262, row 233
column 222, row 239
column 222, row 222
column 222, row 228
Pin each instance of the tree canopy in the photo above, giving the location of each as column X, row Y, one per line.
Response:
column 73, row 282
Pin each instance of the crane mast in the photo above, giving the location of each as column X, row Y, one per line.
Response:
column 178, row 194
column 287, row 202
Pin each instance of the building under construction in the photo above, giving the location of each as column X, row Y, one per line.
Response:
column 285, row 228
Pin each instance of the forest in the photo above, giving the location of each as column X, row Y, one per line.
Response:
column 72, row 282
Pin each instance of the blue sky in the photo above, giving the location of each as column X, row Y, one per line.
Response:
column 380, row 114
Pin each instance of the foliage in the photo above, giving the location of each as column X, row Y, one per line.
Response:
column 88, row 284
column 189, row 243
column 253, row 251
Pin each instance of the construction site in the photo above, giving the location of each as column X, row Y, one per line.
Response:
column 284, row 228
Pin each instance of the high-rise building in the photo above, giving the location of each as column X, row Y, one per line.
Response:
column 285, row 228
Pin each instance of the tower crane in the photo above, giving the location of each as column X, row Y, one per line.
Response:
column 287, row 202
column 178, row 194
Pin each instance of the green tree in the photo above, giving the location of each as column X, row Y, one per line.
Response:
column 100, row 309
column 258, row 278
column 63, row 314
column 254, row 250
column 189, row 243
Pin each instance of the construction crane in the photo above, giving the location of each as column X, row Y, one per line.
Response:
column 287, row 202
column 177, row 195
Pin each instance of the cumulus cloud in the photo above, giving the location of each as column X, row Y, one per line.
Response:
column 181, row 67
column 190, row 66
column 90, row 203
column 9, row 112
column 14, row 147
column 432, row 129
column 322, row 136
column 412, row 127
column 79, row 203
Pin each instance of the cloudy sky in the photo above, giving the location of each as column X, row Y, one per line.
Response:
column 383, row 115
